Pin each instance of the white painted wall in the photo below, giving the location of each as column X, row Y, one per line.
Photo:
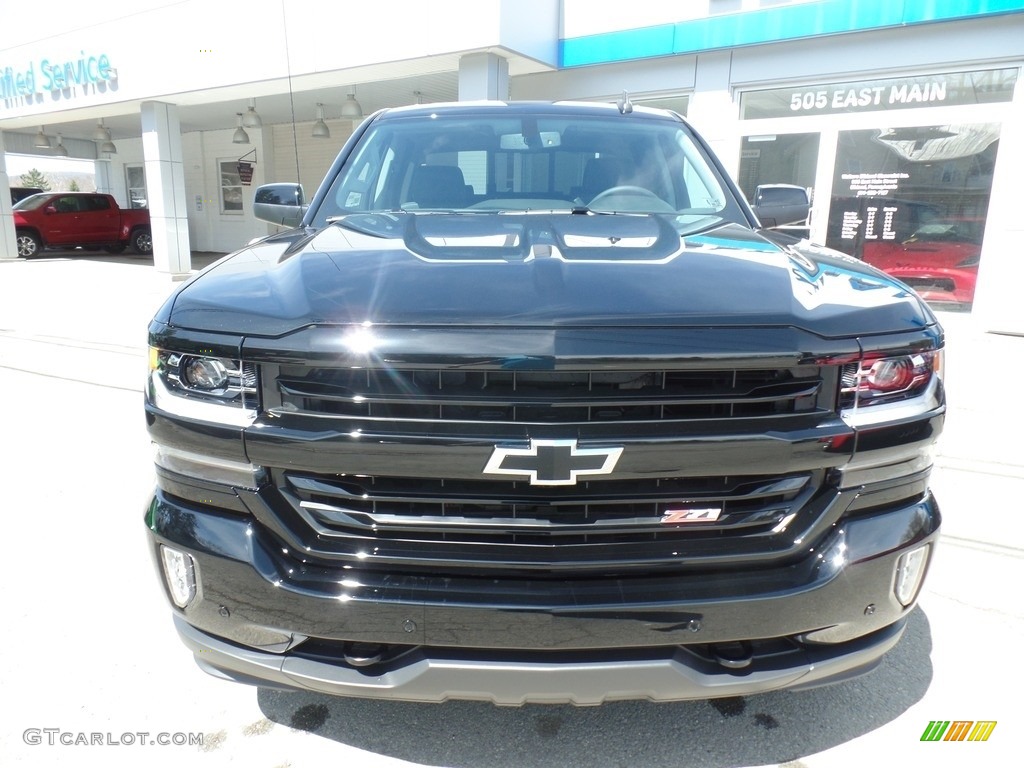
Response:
column 315, row 156
column 129, row 152
column 593, row 17
column 167, row 50
column 210, row 228
column 1001, row 271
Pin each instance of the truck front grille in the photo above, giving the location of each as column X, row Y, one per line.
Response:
column 390, row 508
column 557, row 397
column 619, row 524
column 385, row 465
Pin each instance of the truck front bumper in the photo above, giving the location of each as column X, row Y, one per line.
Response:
column 261, row 615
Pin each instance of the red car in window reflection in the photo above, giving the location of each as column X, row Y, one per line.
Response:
column 939, row 261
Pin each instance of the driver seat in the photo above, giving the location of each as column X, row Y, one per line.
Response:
column 600, row 173
column 439, row 186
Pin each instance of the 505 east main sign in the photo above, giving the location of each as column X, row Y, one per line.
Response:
column 949, row 89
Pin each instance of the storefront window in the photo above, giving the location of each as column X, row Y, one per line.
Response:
column 675, row 102
column 912, row 201
column 230, row 187
column 678, row 104
column 135, row 181
column 783, row 159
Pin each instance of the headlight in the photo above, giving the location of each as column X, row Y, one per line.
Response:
column 206, row 374
column 214, row 389
column 891, row 387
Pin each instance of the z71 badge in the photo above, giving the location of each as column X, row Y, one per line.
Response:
column 691, row 515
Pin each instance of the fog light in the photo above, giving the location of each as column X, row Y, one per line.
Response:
column 180, row 572
column 909, row 573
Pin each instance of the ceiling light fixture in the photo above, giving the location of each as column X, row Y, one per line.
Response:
column 320, row 129
column 240, row 137
column 101, row 133
column 108, row 147
column 42, row 141
column 351, row 108
column 251, row 119
column 60, row 150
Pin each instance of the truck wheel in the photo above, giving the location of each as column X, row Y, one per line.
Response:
column 142, row 241
column 28, row 245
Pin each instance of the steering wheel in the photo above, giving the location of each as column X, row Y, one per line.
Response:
column 632, row 198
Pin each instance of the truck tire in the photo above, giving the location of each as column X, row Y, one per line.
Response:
column 29, row 244
column 142, row 242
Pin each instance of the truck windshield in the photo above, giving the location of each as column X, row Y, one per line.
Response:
column 483, row 163
column 31, row 203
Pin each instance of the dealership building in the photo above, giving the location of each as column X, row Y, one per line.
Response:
column 904, row 118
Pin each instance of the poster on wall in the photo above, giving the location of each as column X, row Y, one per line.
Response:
column 912, row 201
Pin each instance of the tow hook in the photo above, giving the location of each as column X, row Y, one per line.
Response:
column 736, row 655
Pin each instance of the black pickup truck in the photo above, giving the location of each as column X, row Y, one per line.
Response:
column 524, row 408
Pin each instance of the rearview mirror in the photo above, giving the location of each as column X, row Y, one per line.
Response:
column 281, row 204
column 530, row 141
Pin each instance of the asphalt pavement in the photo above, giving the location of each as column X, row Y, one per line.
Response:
column 94, row 674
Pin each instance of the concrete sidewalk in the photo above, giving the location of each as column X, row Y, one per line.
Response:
column 89, row 298
column 983, row 377
column 58, row 313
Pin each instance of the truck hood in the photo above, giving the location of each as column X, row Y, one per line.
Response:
column 540, row 270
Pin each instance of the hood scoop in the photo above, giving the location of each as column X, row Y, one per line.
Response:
column 523, row 237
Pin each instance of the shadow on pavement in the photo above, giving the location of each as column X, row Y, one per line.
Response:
column 766, row 729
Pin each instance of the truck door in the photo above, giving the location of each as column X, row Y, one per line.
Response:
column 62, row 223
column 100, row 220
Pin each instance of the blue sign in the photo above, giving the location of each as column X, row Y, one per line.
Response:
column 49, row 75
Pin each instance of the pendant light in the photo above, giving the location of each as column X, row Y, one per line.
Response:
column 240, row 137
column 101, row 133
column 42, row 141
column 350, row 108
column 60, row 150
column 320, row 129
column 251, row 119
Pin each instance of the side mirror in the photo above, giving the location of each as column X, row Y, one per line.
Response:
column 280, row 204
column 49, row 209
column 781, row 205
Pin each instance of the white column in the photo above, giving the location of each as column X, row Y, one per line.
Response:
column 1001, row 270
column 712, row 110
column 8, row 248
column 483, row 76
column 165, row 187
column 102, row 180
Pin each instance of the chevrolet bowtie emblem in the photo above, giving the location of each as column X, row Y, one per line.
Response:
column 552, row 462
